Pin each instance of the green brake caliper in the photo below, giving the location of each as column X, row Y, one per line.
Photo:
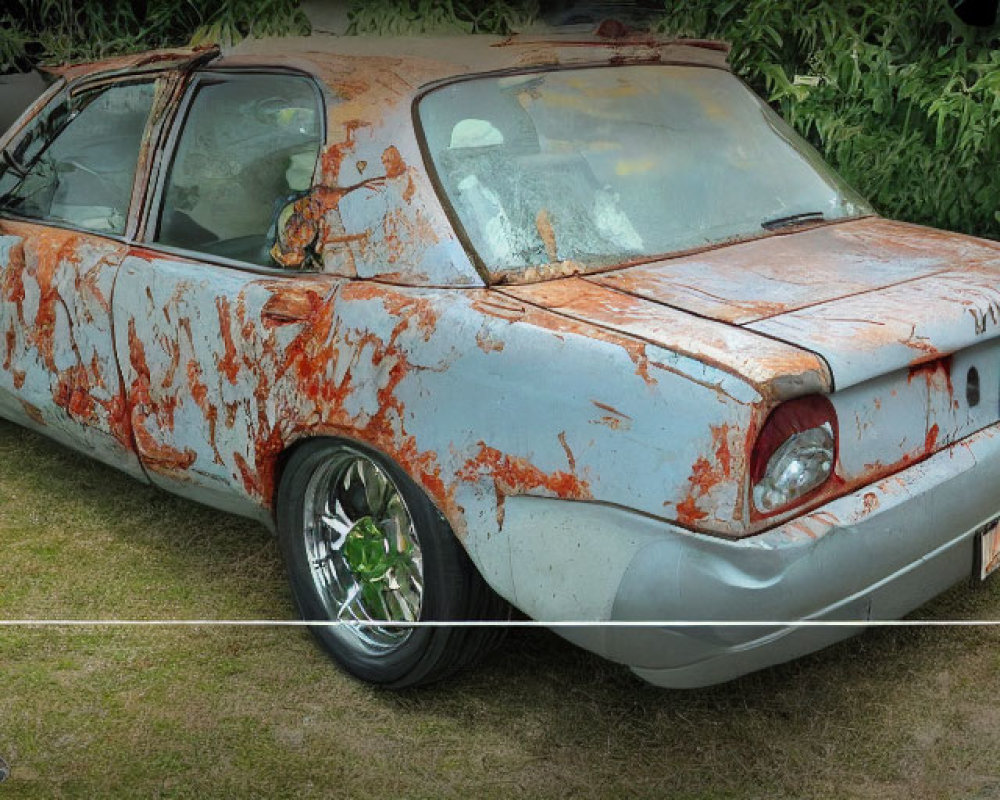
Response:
column 366, row 553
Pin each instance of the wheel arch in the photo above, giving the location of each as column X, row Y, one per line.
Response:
column 282, row 459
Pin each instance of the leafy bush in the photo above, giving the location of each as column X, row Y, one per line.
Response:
column 59, row 31
column 13, row 45
column 395, row 17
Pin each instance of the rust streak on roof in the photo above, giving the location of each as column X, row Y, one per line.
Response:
column 151, row 59
column 417, row 60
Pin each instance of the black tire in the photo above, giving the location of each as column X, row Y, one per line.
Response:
column 321, row 572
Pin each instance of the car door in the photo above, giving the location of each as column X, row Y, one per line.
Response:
column 66, row 192
column 207, row 327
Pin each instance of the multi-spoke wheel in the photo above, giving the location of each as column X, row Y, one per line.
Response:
column 365, row 546
column 363, row 551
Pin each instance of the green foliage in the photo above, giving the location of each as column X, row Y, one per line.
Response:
column 13, row 44
column 59, row 31
column 901, row 98
column 396, row 17
column 372, row 555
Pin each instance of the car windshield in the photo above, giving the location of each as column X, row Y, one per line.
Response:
column 575, row 170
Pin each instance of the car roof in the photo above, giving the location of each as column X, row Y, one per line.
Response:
column 441, row 57
column 422, row 57
column 144, row 61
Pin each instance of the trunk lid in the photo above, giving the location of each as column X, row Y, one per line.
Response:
column 870, row 296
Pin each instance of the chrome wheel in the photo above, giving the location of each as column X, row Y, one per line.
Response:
column 366, row 546
column 362, row 548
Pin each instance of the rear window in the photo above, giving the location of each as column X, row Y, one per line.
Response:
column 588, row 168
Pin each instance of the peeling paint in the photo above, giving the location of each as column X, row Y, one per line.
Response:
column 57, row 355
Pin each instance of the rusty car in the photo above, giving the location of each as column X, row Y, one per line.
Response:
column 571, row 324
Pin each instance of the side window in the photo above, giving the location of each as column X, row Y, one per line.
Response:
column 247, row 148
column 78, row 163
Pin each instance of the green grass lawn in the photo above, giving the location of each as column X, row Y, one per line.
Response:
column 251, row 712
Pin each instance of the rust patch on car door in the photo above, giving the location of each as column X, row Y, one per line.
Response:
column 58, row 351
column 221, row 366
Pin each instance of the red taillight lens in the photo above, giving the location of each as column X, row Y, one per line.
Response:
column 794, row 454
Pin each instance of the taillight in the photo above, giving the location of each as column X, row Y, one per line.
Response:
column 794, row 454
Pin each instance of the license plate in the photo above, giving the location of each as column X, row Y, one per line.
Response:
column 988, row 550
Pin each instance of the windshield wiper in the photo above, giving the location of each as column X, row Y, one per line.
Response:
column 792, row 219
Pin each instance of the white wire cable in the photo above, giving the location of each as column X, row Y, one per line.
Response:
column 299, row 623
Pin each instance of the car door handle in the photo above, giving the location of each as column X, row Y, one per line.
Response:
column 290, row 306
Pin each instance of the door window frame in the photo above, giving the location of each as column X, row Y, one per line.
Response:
column 165, row 83
column 167, row 151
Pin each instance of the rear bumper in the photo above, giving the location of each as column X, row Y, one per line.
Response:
column 877, row 553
